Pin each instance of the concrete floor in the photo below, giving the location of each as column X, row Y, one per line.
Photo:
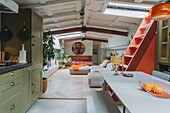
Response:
column 59, row 106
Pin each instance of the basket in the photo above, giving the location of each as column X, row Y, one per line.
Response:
column 164, row 92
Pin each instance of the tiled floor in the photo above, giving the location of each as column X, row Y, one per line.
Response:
column 59, row 106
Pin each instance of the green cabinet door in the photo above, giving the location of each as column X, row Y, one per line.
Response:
column 37, row 30
column 27, row 90
column 36, row 84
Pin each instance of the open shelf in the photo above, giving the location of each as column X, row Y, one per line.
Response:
column 164, row 43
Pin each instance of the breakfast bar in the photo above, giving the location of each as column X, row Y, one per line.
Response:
column 133, row 97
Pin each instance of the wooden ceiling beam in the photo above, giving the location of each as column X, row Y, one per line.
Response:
column 99, row 30
column 92, row 39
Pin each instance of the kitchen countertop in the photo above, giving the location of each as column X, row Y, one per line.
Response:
column 14, row 67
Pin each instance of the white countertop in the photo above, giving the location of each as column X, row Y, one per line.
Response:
column 131, row 94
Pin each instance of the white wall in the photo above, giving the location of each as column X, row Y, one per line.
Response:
column 88, row 48
column 118, row 43
column 57, row 43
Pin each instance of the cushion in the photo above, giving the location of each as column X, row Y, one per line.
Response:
column 109, row 66
column 104, row 63
column 84, row 68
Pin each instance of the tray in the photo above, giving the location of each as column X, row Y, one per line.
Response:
column 163, row 93
column 128, row 75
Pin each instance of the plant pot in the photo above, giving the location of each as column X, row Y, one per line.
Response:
column 44, row 84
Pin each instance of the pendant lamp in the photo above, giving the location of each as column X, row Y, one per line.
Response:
column 160, row 12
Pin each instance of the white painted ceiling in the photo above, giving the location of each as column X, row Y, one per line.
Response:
column 63, row 14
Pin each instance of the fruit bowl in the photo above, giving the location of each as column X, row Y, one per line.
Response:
column 156, row 88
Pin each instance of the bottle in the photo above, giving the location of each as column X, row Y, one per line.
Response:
column 22, row 55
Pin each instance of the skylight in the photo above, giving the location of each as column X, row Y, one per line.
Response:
column 128, row 10
column 69, row 35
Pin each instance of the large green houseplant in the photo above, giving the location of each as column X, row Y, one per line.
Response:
column 63, row 59
column 48, row 47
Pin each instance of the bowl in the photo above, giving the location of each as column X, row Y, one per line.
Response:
column 161, row 89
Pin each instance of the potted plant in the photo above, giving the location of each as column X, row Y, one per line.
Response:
column 48, row 47
column 63, row 59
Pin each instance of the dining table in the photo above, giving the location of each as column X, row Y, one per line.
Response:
column 133, row 97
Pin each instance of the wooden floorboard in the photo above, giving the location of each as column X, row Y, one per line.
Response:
column 63, row 85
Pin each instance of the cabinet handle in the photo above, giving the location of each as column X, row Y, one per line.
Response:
column 12, row 107
column 33, row 91
column 28, row 69
column 12, row 83
column 12, row 74
column 34, row 41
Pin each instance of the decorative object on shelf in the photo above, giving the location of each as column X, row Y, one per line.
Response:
column 22, row 55
column 78, row 48
column 24, row 34
column 6, row 34
column 155, row 87
column 160, row 12
column 48, row 46
column 127, row 75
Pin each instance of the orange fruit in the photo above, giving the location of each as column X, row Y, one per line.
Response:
column 157, row 89
column 152, row 85
column 147, row 87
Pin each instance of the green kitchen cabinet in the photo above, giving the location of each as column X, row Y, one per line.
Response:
column 31, row 77
column 36, row 56
column 36, row 84
column 164, row 41
column 11, row 91
column 37, row 45
column 27, row 89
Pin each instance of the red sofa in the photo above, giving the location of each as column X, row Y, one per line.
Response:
column 80, row 60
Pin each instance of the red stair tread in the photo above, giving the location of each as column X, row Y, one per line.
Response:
column 134, row 46
column 128, row 55
column 125, row 66
column 145, row 26
column 139, row 36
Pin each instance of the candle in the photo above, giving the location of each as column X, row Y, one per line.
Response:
column 116, row 62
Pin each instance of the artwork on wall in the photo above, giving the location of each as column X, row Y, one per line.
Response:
column 78, row 48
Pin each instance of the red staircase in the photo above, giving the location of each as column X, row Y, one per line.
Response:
column 140, row 55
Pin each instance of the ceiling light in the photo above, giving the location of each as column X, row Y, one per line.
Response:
column 160, row 12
